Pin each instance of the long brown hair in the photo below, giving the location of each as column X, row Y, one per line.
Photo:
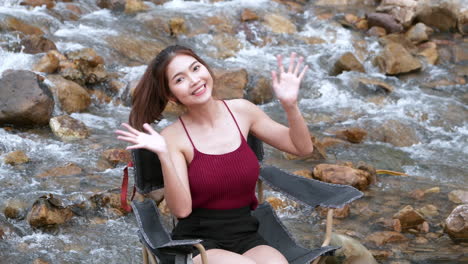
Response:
column 152, row 92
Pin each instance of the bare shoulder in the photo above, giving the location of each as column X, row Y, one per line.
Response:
column 242, row 106
column 172, row 132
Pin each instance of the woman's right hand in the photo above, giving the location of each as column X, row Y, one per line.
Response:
column 151, row 141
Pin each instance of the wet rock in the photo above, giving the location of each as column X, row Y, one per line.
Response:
column 409, row 218
column 377, row 31
column 421, row 240
column 395, row 133
column 48, row 3
column 344, row 2
column 15, row 209
column 34, row 44
column 279, row 24
column 429, row 211
column 248, row 15
column 419, row 33
column 384, row 20
column 279, row 204
column 362, row 24
column 458, row 196
column 456, row 224
column 49, row 63
column 460, row 53
column 442, row 16
column 347, row 62
column 395, row 59
column 135, row 49
column 338, row 174
column 72, row 97
column 114, row 5
column 375, row 85
column 221, row 25
column 24, row 99
column 381, row 255
column 354, row 134
column 15, row 158
column 87, row 67
column 107, row 199
column 173, row 108
column 351, row 250
column 48, row 211
column 230, row 84
column 67, row 128
column 318, row 153
column 40, row 261
column 338, row 213
column 66, row 170
column 404, row 11
column 14, row 24
column 226, row 45
column 385, row 237
column 429, row 51
column 163, row 208
column 312, row 40
column 177, row 26
column 417, row 194
column 328, row 142
column 261, row 93
column 116, row 156
column 463, row 22
column 135, row 6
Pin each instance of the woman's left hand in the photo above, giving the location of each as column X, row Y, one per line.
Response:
column 286, row 85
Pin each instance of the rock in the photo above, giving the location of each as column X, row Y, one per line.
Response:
column 87, row 67
column 304, row 173
column 429, row 51
column 49, row 63
column 409, row 218
column 338, row 213
column 163, row 208
column 419, row 33
column 48, row 3
column 375, row 85
column 67, row 170
column 67, row 128
column 172, row 108
column 24, row 99
column 135, row 6
column 72, row 97
column 338, row 174
column 177, row 26
column 230, row 84
column 417, row 194
column 463, row 22
column 279, row 204
column 429, row 211
column 279, row 24
column 381, row 255
column 107, row 199
column 115, row 156
column 351, row 249
column 384, row 20
column 331, row 142
column 377, row 31
column 458, row 196
column 248, row 15
column 114, row 5
column 14, row 24
column 395, row 59
column 362, row 24
column 395, row 133
column 354, row 135
column 318, row 153
column 135, row 49
column 47, row 211
column 404, row 11
column 15, row 209
column 262, row 92
column 219, row 25
column 456, row 224
column 344, row 2
column 34, row 44
column 40, row 261
column 384, row 237
column 421, row 240
column 347, row 62
column 460, row 53
column 15, row 158
column 226, row 45
column 442, row 16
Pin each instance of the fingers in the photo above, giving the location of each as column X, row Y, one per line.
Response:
column 303, row 72
column 279, row 59
column 128, row 139
column 291, row 62
column 137, row 146
column 149, row 129
column 130, row 128
column 124, row 133
column 274, row 78
column 298, row 66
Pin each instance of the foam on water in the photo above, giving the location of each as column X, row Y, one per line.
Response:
column 94, row 121
column 15, row 61
column 72, row 31
column 102, row 15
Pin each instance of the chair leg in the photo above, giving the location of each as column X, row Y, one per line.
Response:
column 203, row 255
column 152, row 260
column 328, row 232
column 145, row 255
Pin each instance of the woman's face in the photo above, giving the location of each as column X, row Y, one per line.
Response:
column 189, row 80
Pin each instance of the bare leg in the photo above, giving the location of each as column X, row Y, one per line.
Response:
column 265, row 255
column 220, row 256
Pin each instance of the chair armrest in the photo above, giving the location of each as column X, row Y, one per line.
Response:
column 306, row 191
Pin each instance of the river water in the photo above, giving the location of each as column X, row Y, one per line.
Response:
column 437, row 115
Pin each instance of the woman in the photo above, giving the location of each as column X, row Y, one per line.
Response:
column 209, row 171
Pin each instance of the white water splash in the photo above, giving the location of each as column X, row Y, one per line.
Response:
column 15, row 61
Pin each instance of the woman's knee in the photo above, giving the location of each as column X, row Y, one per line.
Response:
column 219, row 256
column 266, row 255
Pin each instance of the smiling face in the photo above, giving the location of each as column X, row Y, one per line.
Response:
column 189, row 80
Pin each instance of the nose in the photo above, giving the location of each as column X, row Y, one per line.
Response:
column 194, row 79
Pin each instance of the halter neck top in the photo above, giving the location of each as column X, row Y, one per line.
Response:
column 223, row 181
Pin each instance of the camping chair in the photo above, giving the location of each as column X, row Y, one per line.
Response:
column 160, row 248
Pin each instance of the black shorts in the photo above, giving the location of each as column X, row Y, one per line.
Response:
column 234, row 230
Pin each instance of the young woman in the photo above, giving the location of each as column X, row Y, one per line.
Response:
column 208, row 168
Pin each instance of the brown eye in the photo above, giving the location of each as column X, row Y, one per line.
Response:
column 196, row 68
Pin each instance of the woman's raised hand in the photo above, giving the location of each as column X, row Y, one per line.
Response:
column 152, row 140
column 286, row 84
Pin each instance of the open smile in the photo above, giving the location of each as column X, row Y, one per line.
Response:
column 199, row 91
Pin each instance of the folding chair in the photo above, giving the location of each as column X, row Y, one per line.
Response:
column 159, row 247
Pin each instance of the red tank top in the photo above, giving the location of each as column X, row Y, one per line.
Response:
column 223, row 181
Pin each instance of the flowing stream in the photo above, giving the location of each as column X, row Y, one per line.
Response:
column 438, row 116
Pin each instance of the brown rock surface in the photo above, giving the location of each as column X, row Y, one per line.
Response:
column 353, row 134
column 456, row 224
column 115, row 156
column 347, row 62
column 395, row 133
column 262, row 92
column 395, row 59
column 67, row 128
column 34, row 44
column 14, row 24
column 342, row 175
column 47, row 211
column 48, row 3
column 66, row 170
column 279, row 24
column 429, row 51
column 409, row 218
column 72, row 96
column 384, row 20
column 49, row 63
column 384, row 237
column 16, row 157
column 248, row 15
column 458, row 196
column 230, row 84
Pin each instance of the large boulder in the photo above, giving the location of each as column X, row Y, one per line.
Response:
column 15, row 24
column 339, row 174
column 395, row 59
column 114, row 5
column 347, row 62
column 16, row 157
column 68, row 129
column 66, row 170
column 48, row 211
column 37, row 44
column 456, row 224
column 384, row 20
column 49, row 63
column 230, row 84
column 24, row 99
column 439, row 14
column 395, row 133
column 404, row 11
column 419, row 33
column 86, row 67
column 409, row 218
column 279, row 24
column 72, row 97
column 48, row 3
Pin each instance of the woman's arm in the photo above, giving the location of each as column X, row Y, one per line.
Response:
column 295, row 139
column 174, row 167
